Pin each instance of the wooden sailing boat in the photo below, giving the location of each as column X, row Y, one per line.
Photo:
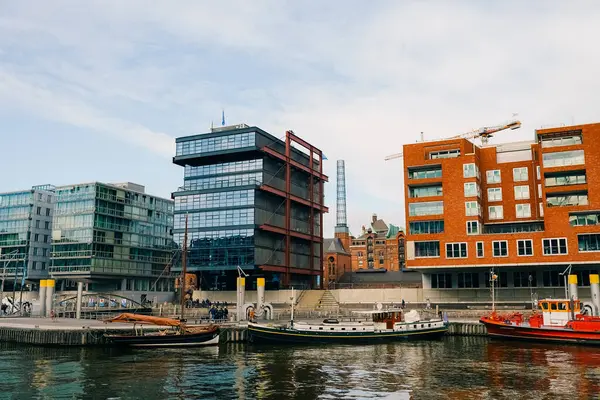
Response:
column 175, row 332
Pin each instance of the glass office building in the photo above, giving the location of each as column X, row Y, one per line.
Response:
column 25, row 235
column 252, row 201
column 113, row 236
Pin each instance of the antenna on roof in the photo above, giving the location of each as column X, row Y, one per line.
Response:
column 223, row 118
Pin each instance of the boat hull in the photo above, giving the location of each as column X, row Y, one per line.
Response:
column 264, row 334
column 185, row 340
column 501, row 330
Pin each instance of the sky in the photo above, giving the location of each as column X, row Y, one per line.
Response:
column 98, row 90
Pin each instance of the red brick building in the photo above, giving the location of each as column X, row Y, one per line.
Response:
column 379, row 247
column 525, row 209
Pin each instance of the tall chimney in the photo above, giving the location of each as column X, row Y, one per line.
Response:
column 341, row 218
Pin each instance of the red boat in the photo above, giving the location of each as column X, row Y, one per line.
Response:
column 560, row 320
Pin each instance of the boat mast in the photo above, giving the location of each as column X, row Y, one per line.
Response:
column 184, row 267
column 293, row 301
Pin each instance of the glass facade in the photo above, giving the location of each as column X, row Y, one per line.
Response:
column 563, row 200
column 426, row 208
column 25, row 231
column 231, row 220
column 564, row 158
column 429, row 173
column 425, row 191
column 220, row 143
column 420, row 227
column 565, row 179
column 111, row 230
column 585, row 219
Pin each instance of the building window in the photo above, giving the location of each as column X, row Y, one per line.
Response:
column 425, row 191
column 426, row 208
column 429, row 173
column 554, row 246
column 494, row 194
column 521, row 192
column 427, row 249
column 441, row 281
column 472, row 208
column 36, row 237
column 470, row 170
column 513, row 227
column 45, row 238
column 589, row 242
column 538, row 172
column 472, row 227
column 552, row 279
column 35, row 251
column 500, row 248
column 47, row 212
column 524, row 279
column 468, row 280
column 479, row 247
column 520, row 174
column 562, row 141
column 495, row 212
column 456, row 250
column 563, row 158
column 564, row 200
column 565, row 179
column 47, row 225
column 584, row 219
column 43, row 265
column 493, row 176
column 525, row 247
column 38, row 211
column 583, row 277
column 523, row 210
column 472, row 189
column 37, row 224
column 541, row 209
column 434, row 155
column 420, row 227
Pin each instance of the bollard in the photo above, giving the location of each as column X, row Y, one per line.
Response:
column 595, row 291
column 79, row 298
column 49, row 296
column 573, row 287
column 42, row 296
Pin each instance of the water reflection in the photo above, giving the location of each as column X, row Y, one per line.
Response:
column 453, row 368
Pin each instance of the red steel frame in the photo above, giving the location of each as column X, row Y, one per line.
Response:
column 287, row 270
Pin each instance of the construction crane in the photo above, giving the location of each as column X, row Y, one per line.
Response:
column 484, row 133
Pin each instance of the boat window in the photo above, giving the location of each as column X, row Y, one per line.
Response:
column 320, row 329
column 553, row 306
column 330, row 329
column 429, row 325
column 415, row 326
column 343, row 329
column 545, row 306
column 422, row 325
column 564, row 306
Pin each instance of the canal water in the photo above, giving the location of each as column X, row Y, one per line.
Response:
column 452, row 368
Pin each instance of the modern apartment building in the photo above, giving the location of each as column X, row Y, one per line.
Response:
column 527, row 210
column 25, row 234
column 252, row 201
column 114, row 237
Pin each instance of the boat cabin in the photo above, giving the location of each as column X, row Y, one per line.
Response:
column 557, row 312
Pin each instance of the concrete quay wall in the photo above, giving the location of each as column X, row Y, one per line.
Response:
column 396, row 295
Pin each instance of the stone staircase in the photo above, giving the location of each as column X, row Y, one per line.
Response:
column 309, row 300
column 328, row 302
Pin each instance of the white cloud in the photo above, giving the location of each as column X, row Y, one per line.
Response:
column 358, row 81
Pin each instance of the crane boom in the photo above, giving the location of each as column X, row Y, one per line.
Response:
column 484, row 133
